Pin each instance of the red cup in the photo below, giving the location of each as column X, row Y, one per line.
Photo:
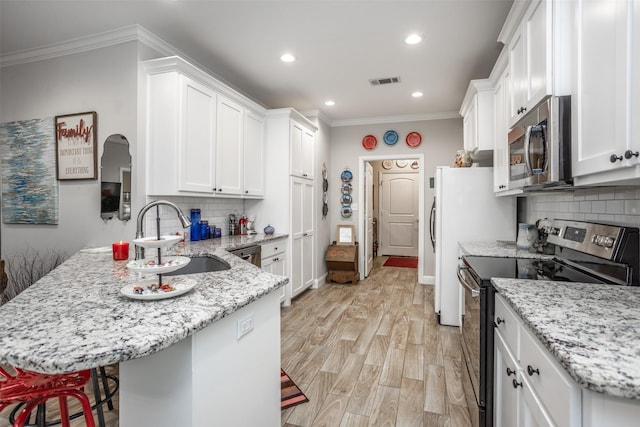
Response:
column 120, row 251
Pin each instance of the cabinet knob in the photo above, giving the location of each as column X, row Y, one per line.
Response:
column 215, row 189
column 246, row 191
column 510, row 372
column 516, row 384
column 614, row 158
column 499, row 321
column 628, row 154
column 532, row 371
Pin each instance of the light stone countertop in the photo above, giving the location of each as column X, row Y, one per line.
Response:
column 497, row 249
column 593, row 330
column 75, row 317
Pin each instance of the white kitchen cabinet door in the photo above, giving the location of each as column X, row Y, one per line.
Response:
column 470, row 126
column 601, row 91
column 530, row 59
column 253, row 140
column 302, row 232
column 181, row 136
column 277, row 265
column 229, row 151
column 477, row 113
column 302, row 151
column 501, row 148
column 506, row 396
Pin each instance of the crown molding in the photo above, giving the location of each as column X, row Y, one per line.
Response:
column 83, row 44
column 395, row 119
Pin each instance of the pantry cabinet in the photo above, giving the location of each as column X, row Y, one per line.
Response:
column 605, row 134
column 202, row 138
column 302, row 234
column 289, row 203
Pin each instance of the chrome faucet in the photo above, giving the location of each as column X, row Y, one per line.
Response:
column 139, row 224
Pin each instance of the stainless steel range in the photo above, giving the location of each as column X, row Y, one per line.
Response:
column 584, row 252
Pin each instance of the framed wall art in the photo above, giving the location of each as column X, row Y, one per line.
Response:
column 76, row 146
column 346, row 234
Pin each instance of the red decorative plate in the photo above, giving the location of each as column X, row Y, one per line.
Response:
column 369, row 142
column 414, row 139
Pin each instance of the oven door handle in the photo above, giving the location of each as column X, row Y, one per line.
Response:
column 471, row 287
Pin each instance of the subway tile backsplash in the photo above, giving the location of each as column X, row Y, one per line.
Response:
column 216, row 211
column 615, row 205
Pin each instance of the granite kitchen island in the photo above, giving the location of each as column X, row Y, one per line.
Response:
column 181, row 362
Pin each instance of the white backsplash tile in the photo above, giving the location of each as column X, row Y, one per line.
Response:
column 616, row 205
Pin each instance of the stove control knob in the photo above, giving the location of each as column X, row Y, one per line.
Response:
column 604, row 241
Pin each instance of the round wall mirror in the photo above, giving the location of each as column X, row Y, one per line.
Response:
column 115, row 182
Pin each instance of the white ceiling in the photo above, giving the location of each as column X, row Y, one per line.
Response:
column 339, row 46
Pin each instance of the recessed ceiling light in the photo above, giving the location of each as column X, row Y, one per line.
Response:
column 287, row 57
column 330, row 103
column 417, row 94
column 413, row 39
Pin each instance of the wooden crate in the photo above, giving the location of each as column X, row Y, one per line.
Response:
column 342, row 263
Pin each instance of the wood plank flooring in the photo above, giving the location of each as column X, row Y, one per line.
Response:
column 370, row 354
column 373, row 354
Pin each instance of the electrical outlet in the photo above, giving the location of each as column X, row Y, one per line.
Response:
column 245, row 326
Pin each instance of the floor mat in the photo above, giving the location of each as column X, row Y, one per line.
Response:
column 290, row 394
column 409, row 262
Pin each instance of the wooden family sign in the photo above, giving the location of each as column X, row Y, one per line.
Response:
column 76, row 146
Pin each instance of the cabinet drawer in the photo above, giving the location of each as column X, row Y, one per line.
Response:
column 557, row 392
column 507, row 323
column 274, row 248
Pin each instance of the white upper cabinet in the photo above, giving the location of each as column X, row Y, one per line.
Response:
column 531, row 59
column 501, row 148
column 181, row 116
column 253, row 182
column 202, row 139
column 605, row 132
column 229, row 165
column 477, row 113
column 302, row 151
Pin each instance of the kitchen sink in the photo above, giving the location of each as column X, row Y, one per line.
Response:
column 201, row 264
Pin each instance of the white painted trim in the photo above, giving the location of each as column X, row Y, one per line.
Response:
column 421, row 208
column 320, row 281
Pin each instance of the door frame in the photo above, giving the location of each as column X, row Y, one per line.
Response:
column 422, row 279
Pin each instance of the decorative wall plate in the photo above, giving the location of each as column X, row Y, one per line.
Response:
column 390, row 137
column 346, row 175
column 387, row 164
column 346, row 188
column 401, row 163
column 415, row 164
column 369, row 142
column 346, row 211
column 346, row 199
column 413, row 139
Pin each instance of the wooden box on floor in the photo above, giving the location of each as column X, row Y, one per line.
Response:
column 342, row 263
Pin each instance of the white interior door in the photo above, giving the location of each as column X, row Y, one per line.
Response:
column 368, row 215
column 399, row 214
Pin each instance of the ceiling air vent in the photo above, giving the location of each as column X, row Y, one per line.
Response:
column 384, row 81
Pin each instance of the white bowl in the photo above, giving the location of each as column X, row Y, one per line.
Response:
column 154, row 242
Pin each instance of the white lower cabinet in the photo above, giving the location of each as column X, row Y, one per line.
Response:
column 531, row 388
column 301, row 234
column 274, row 260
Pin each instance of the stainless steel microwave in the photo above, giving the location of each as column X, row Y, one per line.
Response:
column 540, row 146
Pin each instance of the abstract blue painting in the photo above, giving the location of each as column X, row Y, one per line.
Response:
column 29, row 184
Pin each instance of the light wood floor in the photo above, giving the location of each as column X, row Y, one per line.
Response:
column 373, row 354
column 370, row 354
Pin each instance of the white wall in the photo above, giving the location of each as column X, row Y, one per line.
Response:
column 102, row 80
column 440, row 141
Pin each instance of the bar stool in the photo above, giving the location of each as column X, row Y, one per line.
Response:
column 34, row 389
